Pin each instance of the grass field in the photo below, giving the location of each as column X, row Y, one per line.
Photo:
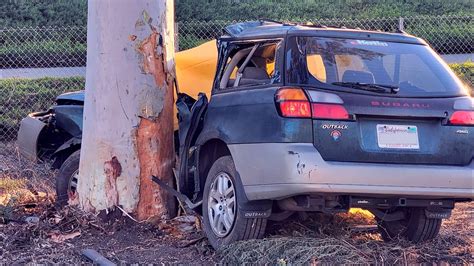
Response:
column 19, row 97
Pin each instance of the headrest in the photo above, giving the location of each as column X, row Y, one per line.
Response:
column 254, row 73
column 358, row 76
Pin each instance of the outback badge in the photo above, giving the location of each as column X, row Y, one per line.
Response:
column 334, row 126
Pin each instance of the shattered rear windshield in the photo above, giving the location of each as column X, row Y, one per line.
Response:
column 414, row 69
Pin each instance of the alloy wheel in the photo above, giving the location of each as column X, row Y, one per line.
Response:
column 222, row 205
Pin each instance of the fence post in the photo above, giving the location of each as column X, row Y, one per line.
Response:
column 176, row 37
column 401, row 24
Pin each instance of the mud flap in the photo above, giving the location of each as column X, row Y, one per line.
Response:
column 257, row 214
column 438, row 214
column 252, row 209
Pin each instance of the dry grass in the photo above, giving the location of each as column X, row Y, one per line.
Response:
column 23, row 184
column 17, row 171
column 27, row 213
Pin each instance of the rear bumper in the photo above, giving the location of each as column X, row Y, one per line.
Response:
column 280, row 170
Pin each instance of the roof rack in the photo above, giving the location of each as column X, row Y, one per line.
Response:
column 263, row 20
column 235, row 29
column 319, row 25
column 271, row 21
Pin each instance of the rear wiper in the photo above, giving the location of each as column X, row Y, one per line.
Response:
column 382, row 88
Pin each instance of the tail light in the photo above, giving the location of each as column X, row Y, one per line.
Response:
column 462, row 118
column 293, row 102
column 329, row 111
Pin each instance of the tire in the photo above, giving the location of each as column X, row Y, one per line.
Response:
column 65, row 178
column 416, row 227
column 240, row 228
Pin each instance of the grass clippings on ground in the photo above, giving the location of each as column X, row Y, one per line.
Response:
column 334, row 239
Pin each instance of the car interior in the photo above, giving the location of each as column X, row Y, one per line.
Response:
column 253, row 65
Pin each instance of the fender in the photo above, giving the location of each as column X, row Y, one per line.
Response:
column 68, row 144
column 209, row 134
column 71, row 145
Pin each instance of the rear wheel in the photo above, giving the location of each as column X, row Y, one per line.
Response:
column 222, row 217
column 66, row 180
column 415, row 227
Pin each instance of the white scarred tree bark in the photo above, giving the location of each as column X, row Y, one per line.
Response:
column 128, row 112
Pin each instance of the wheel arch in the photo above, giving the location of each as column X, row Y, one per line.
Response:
column 65, row 150
column 211, row 150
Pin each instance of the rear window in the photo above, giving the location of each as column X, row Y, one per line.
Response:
column 415, row 69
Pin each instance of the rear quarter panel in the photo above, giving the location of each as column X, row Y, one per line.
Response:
column 250, row 116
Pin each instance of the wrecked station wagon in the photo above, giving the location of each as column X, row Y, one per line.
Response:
column 306, row 118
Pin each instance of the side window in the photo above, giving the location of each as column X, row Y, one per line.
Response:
column 411, row 66
column 249, row 66
column 316, row 67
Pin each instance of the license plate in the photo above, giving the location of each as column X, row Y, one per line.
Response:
column 398, row 137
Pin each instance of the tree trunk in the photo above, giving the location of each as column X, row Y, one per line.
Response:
column 128, row 111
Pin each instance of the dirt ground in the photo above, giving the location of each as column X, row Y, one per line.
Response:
column 59, row 236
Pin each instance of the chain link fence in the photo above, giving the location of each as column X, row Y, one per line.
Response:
column 37, row 64
column 446, row 34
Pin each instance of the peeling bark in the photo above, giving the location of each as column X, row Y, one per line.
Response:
column 153, row 58
column 155, row 133
column 112, row 170
column 155, row 154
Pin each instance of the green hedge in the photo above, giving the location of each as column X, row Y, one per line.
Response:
column 38, row 13
column 466, row 72
column 43, row 47
column 446, row 35
column 206, row 10
column 43, row 54
column 19, row 97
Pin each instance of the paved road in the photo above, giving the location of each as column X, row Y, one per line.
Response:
column 457, row 58
column 57, row 72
